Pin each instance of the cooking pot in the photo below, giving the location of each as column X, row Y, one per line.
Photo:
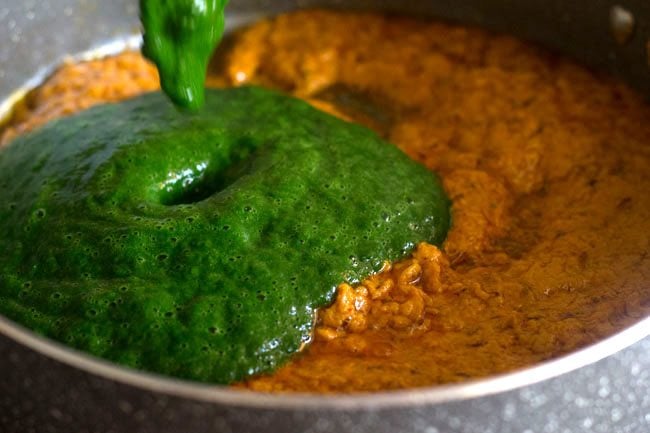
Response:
column 46, row 387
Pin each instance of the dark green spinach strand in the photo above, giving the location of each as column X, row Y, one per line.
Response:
column 180, row 37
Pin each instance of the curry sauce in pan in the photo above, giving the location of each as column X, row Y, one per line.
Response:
column 547, row 165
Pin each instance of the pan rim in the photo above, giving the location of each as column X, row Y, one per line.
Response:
column 219, row 394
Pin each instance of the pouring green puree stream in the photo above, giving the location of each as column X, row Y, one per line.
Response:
column 200, row 244
column 179, row 37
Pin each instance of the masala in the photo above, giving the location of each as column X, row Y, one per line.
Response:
column 547, row 165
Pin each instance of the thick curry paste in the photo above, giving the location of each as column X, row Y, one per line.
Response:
column 199, row 246
column 547, row 164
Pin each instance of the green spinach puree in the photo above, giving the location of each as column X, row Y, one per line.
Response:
column 200, row 245
column 179, row 37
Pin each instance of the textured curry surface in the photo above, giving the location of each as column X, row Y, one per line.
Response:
column 547, row 164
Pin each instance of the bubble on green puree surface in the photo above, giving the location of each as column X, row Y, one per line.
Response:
column 200, row 245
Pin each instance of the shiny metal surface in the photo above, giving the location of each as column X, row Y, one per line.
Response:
column 45, row 387
column 224, row 395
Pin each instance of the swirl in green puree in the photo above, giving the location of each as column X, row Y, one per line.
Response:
column 200, row 245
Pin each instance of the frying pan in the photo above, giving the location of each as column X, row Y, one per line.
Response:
column 46, row 387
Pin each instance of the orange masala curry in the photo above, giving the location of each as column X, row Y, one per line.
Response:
column 547, row 165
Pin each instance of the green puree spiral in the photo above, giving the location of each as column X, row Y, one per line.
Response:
column 200, row 245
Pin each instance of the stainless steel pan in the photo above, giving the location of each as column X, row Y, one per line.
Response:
column 45, row 387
